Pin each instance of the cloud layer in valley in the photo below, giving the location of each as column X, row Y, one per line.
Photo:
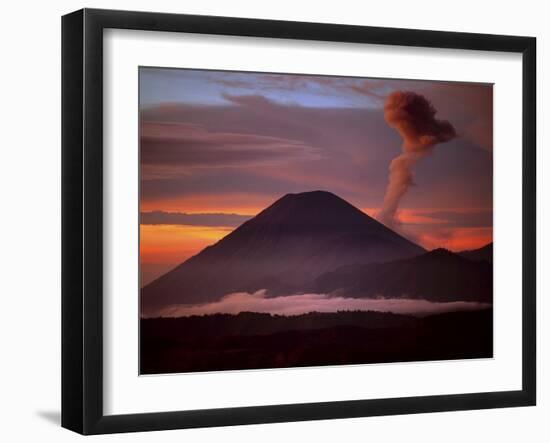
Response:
column 304, row 303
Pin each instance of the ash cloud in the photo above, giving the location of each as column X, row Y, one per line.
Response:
column 413, row 116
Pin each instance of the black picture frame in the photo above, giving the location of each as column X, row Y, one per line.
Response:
column 82, row 218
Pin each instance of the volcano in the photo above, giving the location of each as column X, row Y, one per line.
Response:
column 281, row 250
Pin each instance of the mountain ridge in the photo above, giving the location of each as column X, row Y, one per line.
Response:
column 438, row 275
column 485, row 253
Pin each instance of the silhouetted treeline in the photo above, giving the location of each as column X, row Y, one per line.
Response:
column 253, row 323
column 255, row 341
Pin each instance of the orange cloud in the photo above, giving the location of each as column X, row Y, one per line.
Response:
column 176, row 243
column 456, row 239
column 230, row 203
column 456, row 229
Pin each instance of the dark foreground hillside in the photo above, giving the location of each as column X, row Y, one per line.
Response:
column 258, row 341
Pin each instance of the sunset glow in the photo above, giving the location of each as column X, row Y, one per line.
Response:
column 164, row 246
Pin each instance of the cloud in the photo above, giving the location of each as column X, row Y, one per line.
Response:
column 304, row 303
column 328, row 147
column 180, row 218
column 455, row 230
column 349, row 91
column 253, row 100
column 262, row 82
column 171, row 143
column 468, row 218
column 375, row 89
column 454, row 239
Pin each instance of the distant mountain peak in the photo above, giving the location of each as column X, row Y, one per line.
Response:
column 320, row 193
column 442, row 252
column 315, row 209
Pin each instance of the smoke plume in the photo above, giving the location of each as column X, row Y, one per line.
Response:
column 413, row 116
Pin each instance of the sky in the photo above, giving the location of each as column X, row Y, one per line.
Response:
column 217, row 147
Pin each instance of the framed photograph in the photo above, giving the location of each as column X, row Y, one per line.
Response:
column 269, row 221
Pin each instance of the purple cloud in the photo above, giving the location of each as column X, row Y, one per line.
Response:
column 180, row 218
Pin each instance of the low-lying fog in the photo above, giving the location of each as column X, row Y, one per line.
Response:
column 304, row 303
